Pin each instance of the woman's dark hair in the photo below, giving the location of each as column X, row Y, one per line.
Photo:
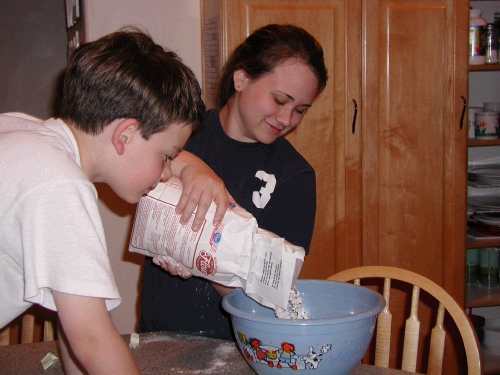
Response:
column 266, row 48
column 126, row 75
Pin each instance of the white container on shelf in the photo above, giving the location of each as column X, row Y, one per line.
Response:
column 472, row 120
column 487, row 125
column 477, row 47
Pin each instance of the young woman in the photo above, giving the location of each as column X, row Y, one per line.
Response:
column 268, row 84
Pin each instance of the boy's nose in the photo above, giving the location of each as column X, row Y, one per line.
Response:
column 167, row 172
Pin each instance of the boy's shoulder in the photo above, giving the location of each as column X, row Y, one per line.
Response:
column 18, row 120
column 41, row 147
column 20, row 126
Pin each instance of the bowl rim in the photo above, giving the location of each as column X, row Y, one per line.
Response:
column 373, row 311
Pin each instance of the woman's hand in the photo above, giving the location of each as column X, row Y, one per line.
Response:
column 201, row 186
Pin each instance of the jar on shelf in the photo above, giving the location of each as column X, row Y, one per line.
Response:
column 477, row 40
column 491, row 44
column 488, row 266
column 487, row 125
column 472, row 120
column 472, row 266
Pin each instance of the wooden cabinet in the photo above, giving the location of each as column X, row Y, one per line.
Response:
column 393, row 192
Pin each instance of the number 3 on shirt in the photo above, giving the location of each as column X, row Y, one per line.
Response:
column 261, row 198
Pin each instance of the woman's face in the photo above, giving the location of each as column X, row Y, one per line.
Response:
column 272, row 105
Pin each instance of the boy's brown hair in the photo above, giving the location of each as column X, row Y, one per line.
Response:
column 125, row 74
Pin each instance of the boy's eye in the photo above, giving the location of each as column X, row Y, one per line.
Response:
column 279, row 102
column 170, row 157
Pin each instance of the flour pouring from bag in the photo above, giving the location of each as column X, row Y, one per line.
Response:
column 237, row 253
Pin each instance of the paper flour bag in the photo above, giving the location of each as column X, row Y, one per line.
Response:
column 236, row 253
column 275, row 265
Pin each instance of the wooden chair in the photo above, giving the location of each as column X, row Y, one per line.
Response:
column 36, row 324
column 412, row 326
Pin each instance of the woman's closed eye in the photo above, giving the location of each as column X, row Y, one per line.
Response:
column 279, row 102
column 300, row 110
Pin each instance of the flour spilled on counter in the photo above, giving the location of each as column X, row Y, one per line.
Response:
column 294, row 309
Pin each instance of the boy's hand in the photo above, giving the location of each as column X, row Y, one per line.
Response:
column 171, row 266
column 201, row 186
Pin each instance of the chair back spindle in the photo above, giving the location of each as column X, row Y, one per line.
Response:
column 445, row 303
column 35, row 324
column 438, row 336
column 412, row 332
column 384, row 324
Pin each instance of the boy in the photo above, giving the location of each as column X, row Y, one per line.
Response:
column 128, row 108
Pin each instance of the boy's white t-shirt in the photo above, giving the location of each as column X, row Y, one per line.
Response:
column 51, row 234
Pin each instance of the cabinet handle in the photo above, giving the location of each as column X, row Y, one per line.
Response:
column 463, row 113
column 355, row 114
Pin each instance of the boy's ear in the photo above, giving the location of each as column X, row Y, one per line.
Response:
column 239, row 78
column 123, row 134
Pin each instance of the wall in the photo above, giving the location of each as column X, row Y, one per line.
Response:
column 32, row 55
column 174, row 24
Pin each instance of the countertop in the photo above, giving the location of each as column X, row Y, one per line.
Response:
column 157, row 353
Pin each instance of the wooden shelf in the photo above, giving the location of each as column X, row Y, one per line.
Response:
column 483, row 142
column 483, row 68
column 481, row 296
column 489, row 242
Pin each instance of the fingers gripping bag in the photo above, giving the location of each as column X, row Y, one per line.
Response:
column 237, row 253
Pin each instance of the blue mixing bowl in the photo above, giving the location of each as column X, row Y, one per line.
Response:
column 331, row 342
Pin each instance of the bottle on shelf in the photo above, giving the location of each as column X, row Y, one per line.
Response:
column 491, row 44
column 477, row 45
column 488, row 266
column 472, row 266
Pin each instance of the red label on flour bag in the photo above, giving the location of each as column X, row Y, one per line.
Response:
column 205, row 262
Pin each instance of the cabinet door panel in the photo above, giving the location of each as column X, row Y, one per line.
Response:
column 325, row 136
column 411, row 131
column 414, row 146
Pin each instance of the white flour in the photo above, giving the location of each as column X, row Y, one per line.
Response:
column 294, row 309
